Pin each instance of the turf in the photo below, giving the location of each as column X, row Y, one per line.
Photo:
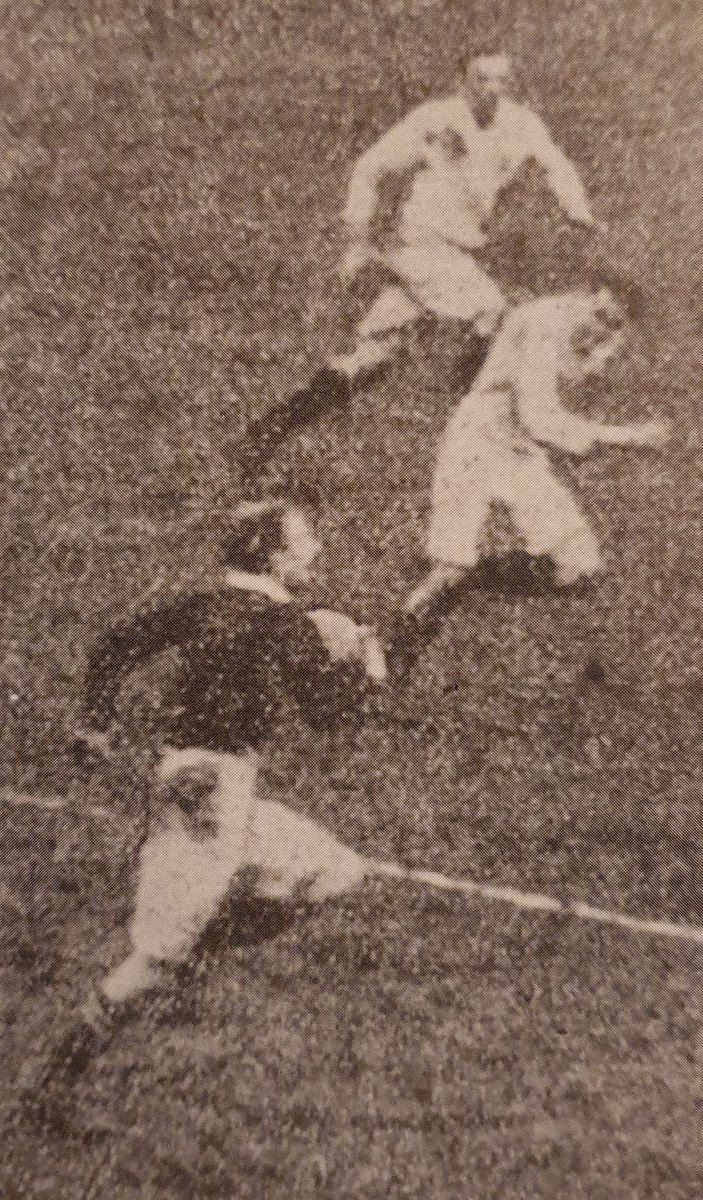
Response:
column 171, row 183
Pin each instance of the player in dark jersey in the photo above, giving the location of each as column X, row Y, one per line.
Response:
column 244, row 648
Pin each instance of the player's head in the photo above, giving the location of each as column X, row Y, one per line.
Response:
column 272, row 537
column 487, row 77
column 599, row 338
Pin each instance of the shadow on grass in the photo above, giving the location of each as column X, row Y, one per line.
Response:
column 244, row 921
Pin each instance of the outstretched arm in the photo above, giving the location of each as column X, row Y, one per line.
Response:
column 562, row 176
column 546, row 418
column 653, row 434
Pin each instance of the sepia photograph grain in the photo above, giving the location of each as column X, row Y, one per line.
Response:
column 351, row 662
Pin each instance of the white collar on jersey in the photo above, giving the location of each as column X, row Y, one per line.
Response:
column 266, row 585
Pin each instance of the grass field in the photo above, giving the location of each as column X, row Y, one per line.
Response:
column 170, row 189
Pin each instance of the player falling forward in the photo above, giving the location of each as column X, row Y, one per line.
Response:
column 461, row 152
column 494, row 446
column 244, row 647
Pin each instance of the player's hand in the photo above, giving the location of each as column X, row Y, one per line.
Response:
column 339, row 633
column 346, row 641
column 93, row 740
column 374, row 658
column 591, row 224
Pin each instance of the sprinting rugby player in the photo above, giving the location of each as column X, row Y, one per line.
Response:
column 244, row 647
column 495, row 446
column 459, row 153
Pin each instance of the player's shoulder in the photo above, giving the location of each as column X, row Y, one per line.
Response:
column 439, row 112
column 523, row 118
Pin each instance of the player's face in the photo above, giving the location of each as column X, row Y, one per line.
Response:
column 600, row 341
column 488, row 78
column 294, row 563
column 603, row 354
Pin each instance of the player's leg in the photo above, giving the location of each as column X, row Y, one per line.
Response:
column 179, row 889
column 461, row 494
column 375, row 341
column 298, row 859
column 181, row 884
column 330, row 388
column 439, row 279
column 186, row 867
column 184, row 874
column 478, row 295
column 436, row 278
column 448, row 282
column 551, row 521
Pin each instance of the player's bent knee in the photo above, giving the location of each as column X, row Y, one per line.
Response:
column 347, row 877
column 392, row 311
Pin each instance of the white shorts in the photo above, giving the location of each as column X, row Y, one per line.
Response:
column 436, row 277
column 472, row 473
column 297, row 857
column 183, row 879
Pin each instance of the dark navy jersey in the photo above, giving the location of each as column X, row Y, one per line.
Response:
column 241, row 655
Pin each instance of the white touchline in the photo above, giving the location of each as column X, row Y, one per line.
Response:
column 539, row 902
column 49, row 803
column 534, row 901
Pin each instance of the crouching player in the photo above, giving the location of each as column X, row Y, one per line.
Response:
column 244, row 648
column 494, row 446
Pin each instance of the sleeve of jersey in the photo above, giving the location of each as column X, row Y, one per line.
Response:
column 562, row 175
column 328, row 693
column 127, row 644
column 401, row 148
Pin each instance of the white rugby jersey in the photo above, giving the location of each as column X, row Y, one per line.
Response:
column 515, row 398
column 454, row 201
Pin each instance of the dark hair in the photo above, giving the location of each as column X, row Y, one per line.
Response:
column 458, row 145
column 257, row 533
column 294, row 493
